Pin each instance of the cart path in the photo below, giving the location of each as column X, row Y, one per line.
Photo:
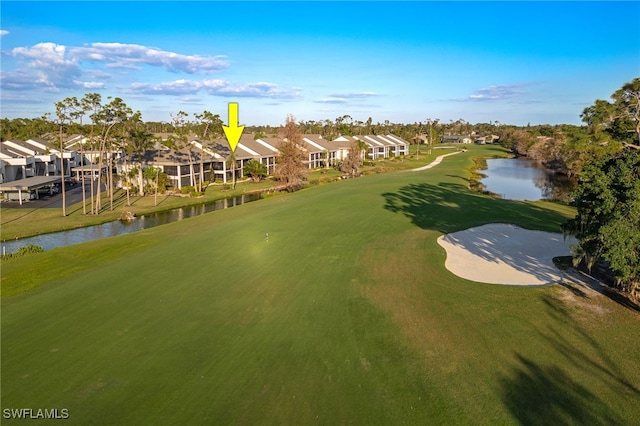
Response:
column 435, row 162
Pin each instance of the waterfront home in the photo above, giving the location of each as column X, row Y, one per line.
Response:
column 379, row 146
column 34, row 157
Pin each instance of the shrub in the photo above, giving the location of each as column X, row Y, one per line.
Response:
column 187, row 190
column 28, row 249
column 255, row 170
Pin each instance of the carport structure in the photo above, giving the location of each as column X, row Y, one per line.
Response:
column 27, row 185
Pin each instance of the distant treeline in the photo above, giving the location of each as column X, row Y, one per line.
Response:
column 609, row 126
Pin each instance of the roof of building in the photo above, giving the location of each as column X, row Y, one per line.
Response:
column 29, row 183
column 261, row 148
column 15, row 149
column 373, row 140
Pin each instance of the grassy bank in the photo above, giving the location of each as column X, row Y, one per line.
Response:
column 346, row 315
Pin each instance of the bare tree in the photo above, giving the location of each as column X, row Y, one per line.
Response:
column 181, row 129
column 212, row 128
column 352, row 163
column 290, row 165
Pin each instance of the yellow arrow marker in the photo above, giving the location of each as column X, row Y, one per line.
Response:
column 233, row 131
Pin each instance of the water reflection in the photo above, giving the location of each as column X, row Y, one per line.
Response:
column 111, row 229
column 521, row 179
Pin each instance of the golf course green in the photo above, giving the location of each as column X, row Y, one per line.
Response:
column 345, row 315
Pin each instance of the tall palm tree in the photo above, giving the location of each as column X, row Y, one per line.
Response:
column 66, row 111
column 115, row 112
column 92, row 103
column 139, row 143
column 231, row 161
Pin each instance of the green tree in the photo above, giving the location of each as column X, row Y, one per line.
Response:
column 255, row 170
column 627, row 101
column 153, row 174
column 620, row 119
column 607, row 223
column 139, row 142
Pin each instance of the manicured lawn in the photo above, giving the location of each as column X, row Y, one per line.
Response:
column 345, row 316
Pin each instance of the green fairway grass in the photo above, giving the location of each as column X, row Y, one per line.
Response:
column 346, row 315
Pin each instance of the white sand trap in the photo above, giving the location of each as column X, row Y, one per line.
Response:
column 499, row 253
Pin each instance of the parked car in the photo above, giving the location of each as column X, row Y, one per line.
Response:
column 45, row 190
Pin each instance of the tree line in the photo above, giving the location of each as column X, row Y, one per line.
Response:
column 607, row 199
column 604, row 157
column 609, row 128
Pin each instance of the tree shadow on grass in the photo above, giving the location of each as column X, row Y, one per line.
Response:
column 620, row 298
column 543, row 393
column 449, row 207
column 603, row 365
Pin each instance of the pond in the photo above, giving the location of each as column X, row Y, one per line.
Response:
column 523, row 179
column 111, row 229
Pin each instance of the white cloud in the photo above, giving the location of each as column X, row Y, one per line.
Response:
column 215, row 87
column 354, row 95
column 331, row 100
column 3, row 33
column 343, row 98
column 499, row 92
column 188, row 100
column 54, row 67
column 92, row 85
column 48, row 66
column 135, row 55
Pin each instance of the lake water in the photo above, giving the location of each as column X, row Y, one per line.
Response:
column 111, row 229
column 522, row 179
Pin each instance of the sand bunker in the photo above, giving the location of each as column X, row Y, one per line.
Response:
column 505, row 254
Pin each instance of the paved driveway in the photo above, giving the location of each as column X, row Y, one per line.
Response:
column 73, row 195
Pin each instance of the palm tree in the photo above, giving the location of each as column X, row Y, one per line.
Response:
column 231, row 161
column 92, row 103
column 111, row 114
column 139, row 142
column 66, row 111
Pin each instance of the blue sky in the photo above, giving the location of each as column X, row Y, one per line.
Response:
column 512, row 62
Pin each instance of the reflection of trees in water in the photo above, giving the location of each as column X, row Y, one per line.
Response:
column 555, row 186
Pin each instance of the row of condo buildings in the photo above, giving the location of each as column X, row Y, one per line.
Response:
column 21, row 160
